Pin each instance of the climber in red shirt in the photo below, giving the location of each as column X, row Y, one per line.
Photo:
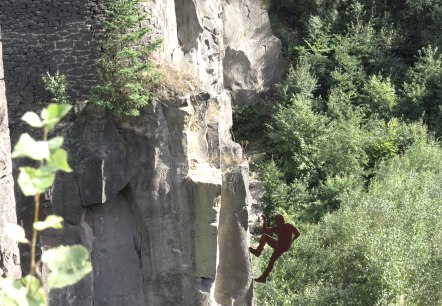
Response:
column 286, row 233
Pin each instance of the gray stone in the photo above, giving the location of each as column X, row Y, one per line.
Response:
column 9, row 255
column 253, row 61
column 232, row 285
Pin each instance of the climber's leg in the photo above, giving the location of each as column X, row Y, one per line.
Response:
column 265, row 239
column 263, row 278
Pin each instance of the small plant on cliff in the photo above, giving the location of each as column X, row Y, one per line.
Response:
column 127, row 77
column 57, row 86
column 66, row 264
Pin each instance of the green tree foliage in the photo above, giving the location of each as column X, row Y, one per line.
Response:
column 351, row 156
column 379, row 96
column 294, row 136
column 325, row 148
column 335, row 118
column 416, row 21
column 422, row 89
column 126, row 74
column 383, row 245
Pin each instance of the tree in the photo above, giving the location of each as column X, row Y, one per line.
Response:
column 126, row 75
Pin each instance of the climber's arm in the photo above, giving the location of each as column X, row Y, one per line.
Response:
column 295, row 233
column 269, row 230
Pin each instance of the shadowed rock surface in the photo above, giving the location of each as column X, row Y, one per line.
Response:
column 161, row 201
column 9, row 255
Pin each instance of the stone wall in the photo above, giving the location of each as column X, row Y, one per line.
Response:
column 47, row 36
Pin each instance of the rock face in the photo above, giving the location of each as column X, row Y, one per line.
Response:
column 253, row 60
column 161, row 200
column 9, row 255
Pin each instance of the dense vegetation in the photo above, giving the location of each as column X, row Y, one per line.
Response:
column 354, row 160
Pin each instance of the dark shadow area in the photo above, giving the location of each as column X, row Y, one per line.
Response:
column 43, row 36
column 47, row 36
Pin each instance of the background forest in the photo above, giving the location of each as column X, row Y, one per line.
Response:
column 353, row 152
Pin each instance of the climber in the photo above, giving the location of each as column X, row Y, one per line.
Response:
column 286, row 233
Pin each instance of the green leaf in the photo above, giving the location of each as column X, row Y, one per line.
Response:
column 23, row 292
column 33, row 181
column 67, row 265
column 53, row 114
column 51, row 221
column 55, row 143
column 28, row 147
column 59, row 161
column 58, row 110
column 16, row 233
column 32, row 119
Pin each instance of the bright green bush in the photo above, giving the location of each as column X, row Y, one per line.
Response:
column 299, row 82
column 126, row 74
column 294, row 137
column 57, row 86
column 379, row 96
column 381, row 246
column 291, row 198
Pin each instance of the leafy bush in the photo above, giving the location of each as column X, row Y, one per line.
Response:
column 57, row 85
column 127, row 77
column 290, row 198
column 293, row 137
column 299, row 82
column 379, row 95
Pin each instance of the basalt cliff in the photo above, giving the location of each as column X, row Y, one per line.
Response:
column 161, row 200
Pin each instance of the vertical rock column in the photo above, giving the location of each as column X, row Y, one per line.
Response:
column 9, row 256
column 233, row 284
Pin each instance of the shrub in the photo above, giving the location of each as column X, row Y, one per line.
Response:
column 291, row 198
column 379, row 96
column 299, row 81
column 57, row 86
column 293, row 137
